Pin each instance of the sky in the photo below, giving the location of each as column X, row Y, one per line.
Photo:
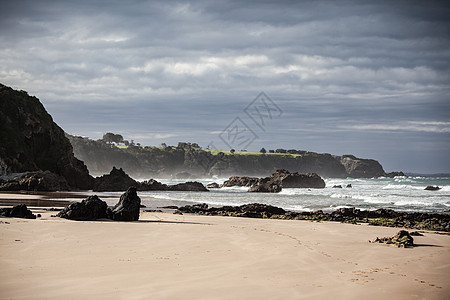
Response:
column 369, row 78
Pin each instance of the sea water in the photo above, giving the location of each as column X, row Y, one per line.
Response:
column 399, row 193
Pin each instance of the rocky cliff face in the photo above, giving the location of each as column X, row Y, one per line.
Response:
column 31, row 141
column 141, row 162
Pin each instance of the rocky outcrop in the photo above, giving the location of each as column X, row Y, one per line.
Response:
column 153, row 185
column 213, row 185
column 190, row 186
column 266, row 185
column 394, row 174
column 296, row 180
column 18, row 211
column 90, row 209
column 116, row 181
column 240, row 181
column 402, row 239
column 34, row 181
column 379, row 217
column 128, row 207
column 31, row 141
column 432, row 188
column 361, row 168
column 278, row 180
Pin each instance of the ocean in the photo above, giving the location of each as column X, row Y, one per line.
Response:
column 399, row 193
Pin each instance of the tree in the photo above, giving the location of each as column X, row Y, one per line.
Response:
column 110, row 137
column 232, row 151
column 163, row 145
column 263, row 150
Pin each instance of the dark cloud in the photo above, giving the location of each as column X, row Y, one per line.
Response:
column 350, row 76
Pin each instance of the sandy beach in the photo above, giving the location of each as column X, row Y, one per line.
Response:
column 166, row 256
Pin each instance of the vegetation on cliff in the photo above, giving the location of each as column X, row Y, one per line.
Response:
column 141, row 162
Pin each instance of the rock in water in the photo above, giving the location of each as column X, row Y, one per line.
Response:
column 18, row 211
column 213, row 185
column 128, row 207
column 402, row 239
column 92, row 208
column 432, row 188
column 116, row 181
column 189, row 186
column 266, row 185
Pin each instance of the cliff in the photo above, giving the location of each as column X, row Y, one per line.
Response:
column 144, row 162
column 31, row 141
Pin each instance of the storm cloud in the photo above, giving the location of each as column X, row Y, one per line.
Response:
column 367, row 78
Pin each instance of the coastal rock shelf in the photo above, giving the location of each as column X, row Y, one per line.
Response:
column 277, row 181
column 379, row 217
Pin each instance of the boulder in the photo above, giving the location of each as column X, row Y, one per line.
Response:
column 402, row 239
column 296, row 180
column 266, row 185
column 349, row 185
column 213, row 185
column 190, row 186
column 240, row 181
column 153, row 185
column 44, row 181
column 90, row 209
column 432, row 188
column 18, row 211
column 394, row 174
column 128, row 207
column 337, row 186
column 116, row 181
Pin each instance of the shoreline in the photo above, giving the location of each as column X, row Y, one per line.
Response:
column 167, row 256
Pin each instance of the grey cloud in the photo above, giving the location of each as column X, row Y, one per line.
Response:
column 180, row 70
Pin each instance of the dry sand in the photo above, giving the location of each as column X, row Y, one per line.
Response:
column 166, row 256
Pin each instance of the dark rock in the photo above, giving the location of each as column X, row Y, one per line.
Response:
column 262, row 209
column 90, row 209
column 169, row 207
column 337, row 186
column 34, row 181
column 415, row 233
column 116, row 181
column 189, row 186
column 394, row 174
column 349, row 185
column 31, row 141
column 18, row 211
column 266, row 185
column 213, row 185
column 153, row 185
column 432, row 188
column 361, row 168
column 240, row 181
column 296, row 180
column 401, row 239
column 128, row 207
column 194, row 209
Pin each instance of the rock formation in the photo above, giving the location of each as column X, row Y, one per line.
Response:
column 190, row 186
column 402, row 239
column 278, row 180
column 128, row 207
column 90, row 209
column 34, row 181
column 18, row 211
column 116, row 181
column 432, row 188
column 31, row 141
